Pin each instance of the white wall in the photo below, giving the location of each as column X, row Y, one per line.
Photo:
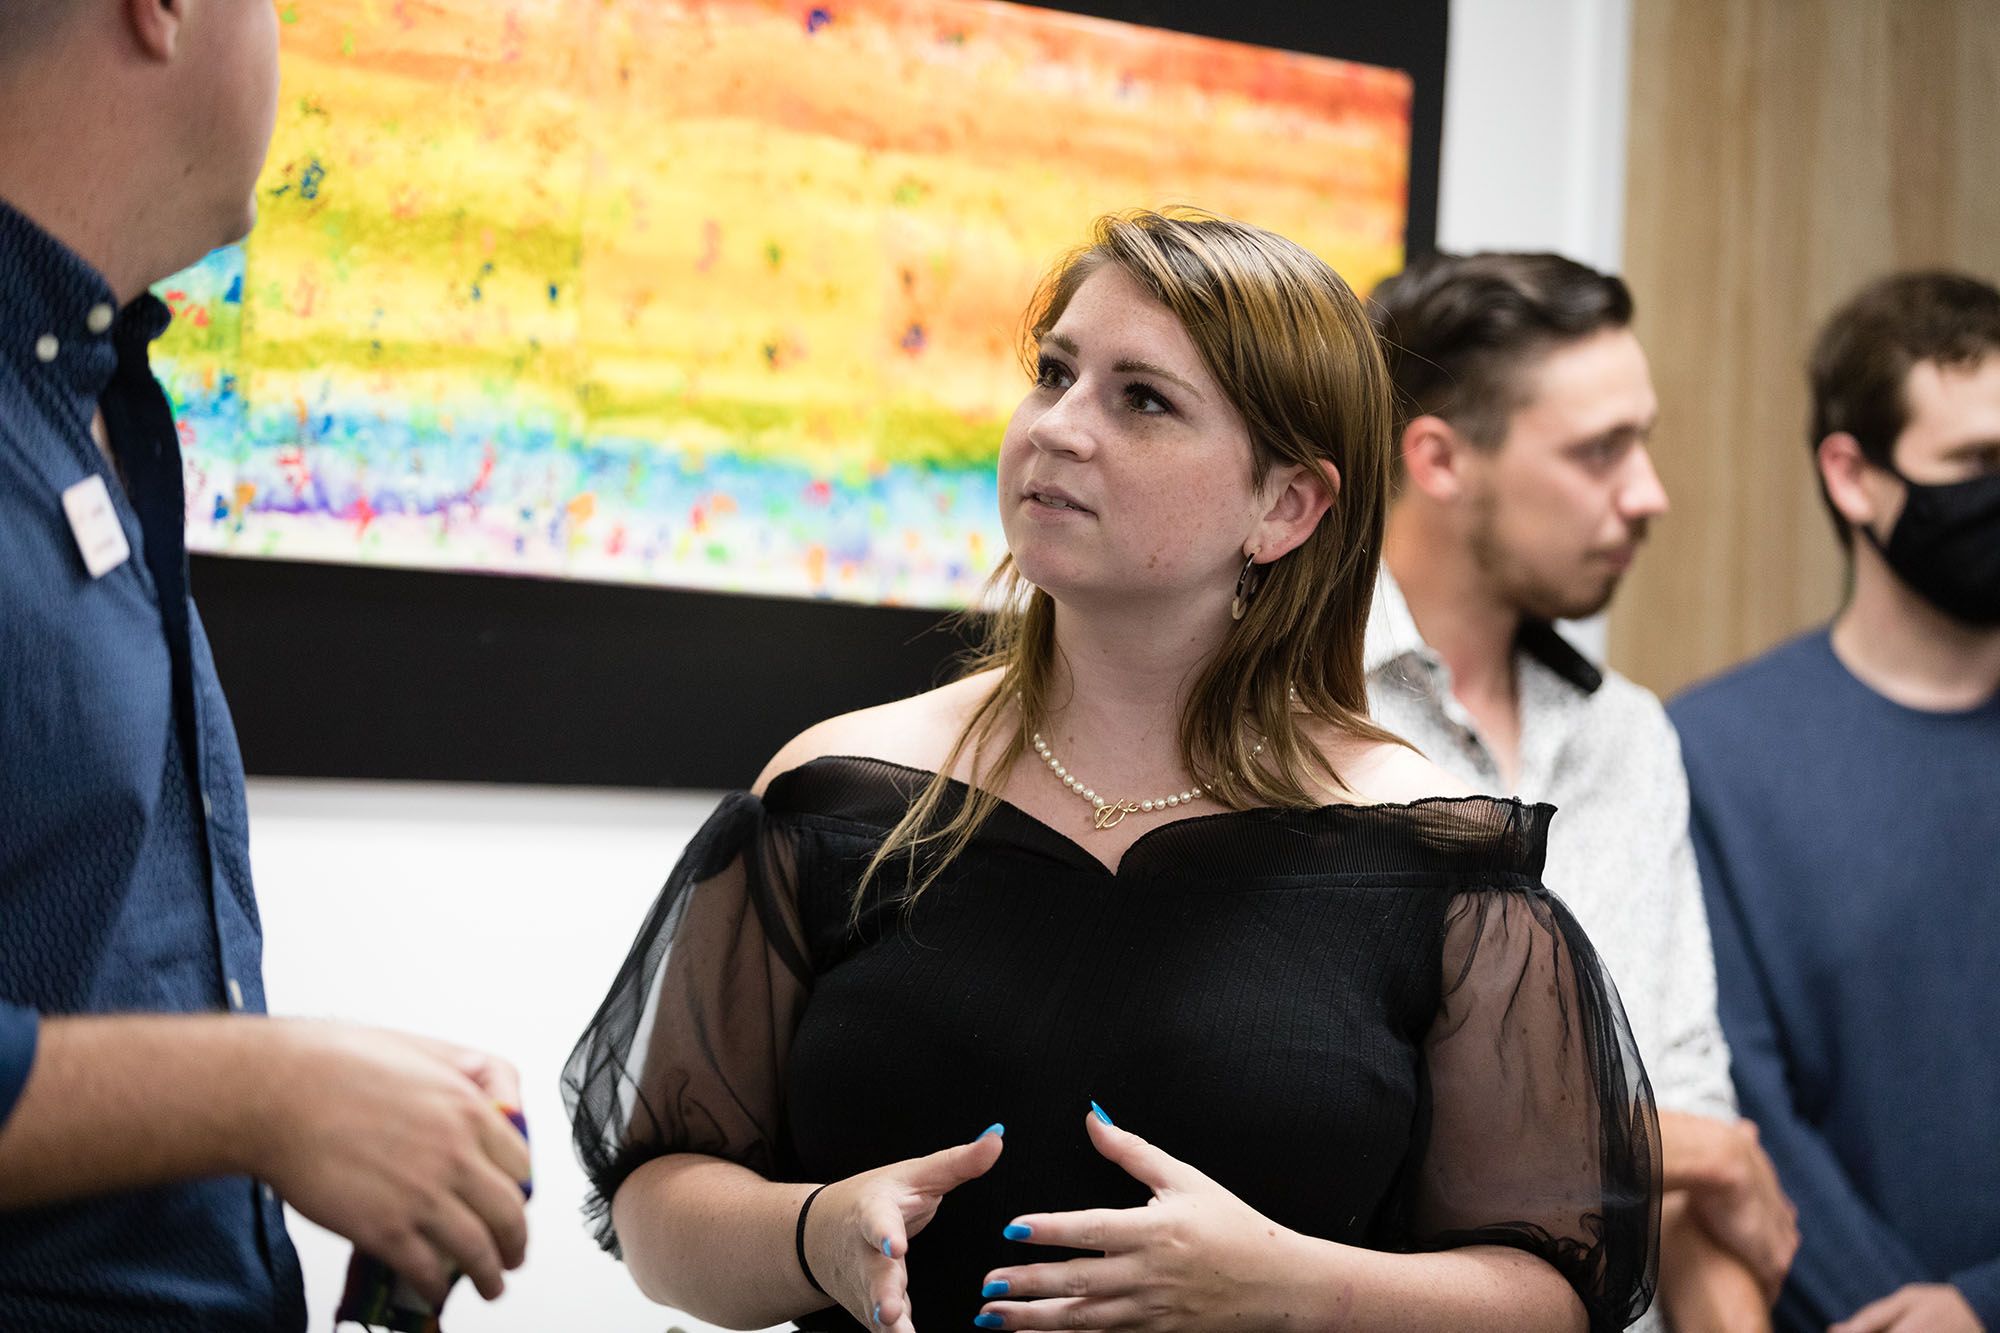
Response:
column 489, row 916
column 495, row 917
column 1534, row 128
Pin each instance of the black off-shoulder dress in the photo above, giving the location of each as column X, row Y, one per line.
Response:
column 1371, row 1023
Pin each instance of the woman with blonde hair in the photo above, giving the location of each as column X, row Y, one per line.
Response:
column 1147, row 857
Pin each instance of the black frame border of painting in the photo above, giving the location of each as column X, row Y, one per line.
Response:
column 359, row 672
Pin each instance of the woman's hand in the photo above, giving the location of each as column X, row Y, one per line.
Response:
column 1195, row 1257
column 858, row 1232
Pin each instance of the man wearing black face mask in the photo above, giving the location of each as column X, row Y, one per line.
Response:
column 1846, row 817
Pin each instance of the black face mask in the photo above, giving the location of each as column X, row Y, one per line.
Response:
column 1946, row 546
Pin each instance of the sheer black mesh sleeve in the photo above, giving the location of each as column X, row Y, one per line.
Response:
column 687, row 1052
column 1543, row 1133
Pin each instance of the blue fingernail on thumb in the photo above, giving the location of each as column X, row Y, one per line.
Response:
column 1098, row 1111
column 878, row 1316
column 1015, row 1231
column 989, row 1321
column 885, row 1248
column 995, row 1128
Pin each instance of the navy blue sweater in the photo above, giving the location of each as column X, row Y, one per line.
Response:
column 1850, row 851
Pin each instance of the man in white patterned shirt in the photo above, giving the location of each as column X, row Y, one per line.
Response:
column 1524, row 491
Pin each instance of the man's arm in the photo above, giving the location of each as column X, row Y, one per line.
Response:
column 1847, row 1256
column 1728, row 1187
column 1703, row 1287
column 1730, row 1190
column 1690, row 1071
column 394, row 1142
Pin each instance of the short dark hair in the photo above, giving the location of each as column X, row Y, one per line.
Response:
column 1458, row 330
column 26, row 26
column 1861, row 362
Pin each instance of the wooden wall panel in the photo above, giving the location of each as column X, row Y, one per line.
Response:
column 1782, row 153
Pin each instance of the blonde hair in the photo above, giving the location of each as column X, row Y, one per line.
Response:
column 1294, row 350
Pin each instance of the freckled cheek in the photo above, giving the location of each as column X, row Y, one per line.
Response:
column 1177, row 527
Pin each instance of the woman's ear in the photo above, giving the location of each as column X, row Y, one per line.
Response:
column 1302, row 496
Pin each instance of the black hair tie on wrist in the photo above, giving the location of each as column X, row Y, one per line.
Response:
column 799, row 1241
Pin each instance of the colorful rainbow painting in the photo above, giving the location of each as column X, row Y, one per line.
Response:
column 720, row 294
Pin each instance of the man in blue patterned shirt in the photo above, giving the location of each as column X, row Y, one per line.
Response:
column 150, row 1116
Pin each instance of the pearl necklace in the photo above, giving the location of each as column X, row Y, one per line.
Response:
column 1110, row 813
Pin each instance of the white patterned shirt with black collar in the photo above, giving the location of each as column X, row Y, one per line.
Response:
column 1601, row 750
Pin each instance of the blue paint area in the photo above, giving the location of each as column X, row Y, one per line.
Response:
column 311, row 179
column 818, row 18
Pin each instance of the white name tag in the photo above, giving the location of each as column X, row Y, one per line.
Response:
column 93, row 520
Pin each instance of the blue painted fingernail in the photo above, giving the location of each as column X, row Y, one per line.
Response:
column 989, row 1321
column 1098, row 1111
column 885, row 1248
column 992, row 1289
column 1015, row 1231
column 878, row 1316
column 995, row 1128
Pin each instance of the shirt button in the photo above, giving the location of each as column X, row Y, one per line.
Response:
column 46, row 348
column 270, row 1195
column 235, row 993
column 207, row 809
column 99, row 318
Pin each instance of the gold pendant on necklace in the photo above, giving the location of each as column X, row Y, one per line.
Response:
column 1111, row 813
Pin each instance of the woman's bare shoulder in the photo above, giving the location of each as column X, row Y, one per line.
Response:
column 917, row 732
column 1384, row 773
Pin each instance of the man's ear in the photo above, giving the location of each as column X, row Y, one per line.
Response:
column 1303, row 496
column 1844, row 470
column 156, row 25
column 1433, row 458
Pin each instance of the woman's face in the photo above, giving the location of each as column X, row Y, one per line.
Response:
column 1126, row 469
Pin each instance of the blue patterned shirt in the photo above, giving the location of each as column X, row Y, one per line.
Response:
column 124, row 850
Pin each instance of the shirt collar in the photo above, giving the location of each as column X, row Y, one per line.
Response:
column 58, row 314
column 1392, row 634
column 1392, row 630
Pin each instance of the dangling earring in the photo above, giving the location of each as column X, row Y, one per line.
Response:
column 1245, row 586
